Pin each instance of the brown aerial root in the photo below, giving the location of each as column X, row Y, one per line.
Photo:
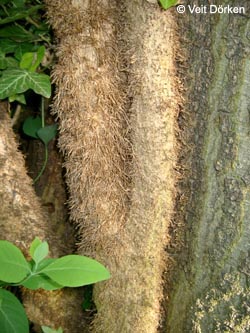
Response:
column 118, row 61
column 90, row 106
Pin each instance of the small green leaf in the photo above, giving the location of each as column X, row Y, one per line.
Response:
column 31, row 60
column 47, row 329
column 41, row 282
column 19, row 98
column 36, row 242
column 19, row 3
column 47, row 133
column 46, row 262
column 30, row 127
column 41, row 252
column 76, row 271
column 13, row 318
column 11, row 62
column 22, row 48
column 17, row 80
column 19, row 13
column 13, row 265
column 8, row 45
column 7, row 62
column 168, row 3
column 16, row 33
column 3, row 62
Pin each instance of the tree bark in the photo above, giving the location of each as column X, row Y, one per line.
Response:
column 211, row 293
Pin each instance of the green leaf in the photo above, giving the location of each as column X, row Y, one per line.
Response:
column 3, row 62
column 16, row 33
column 30, row 127
column 18, row 97
column 41, row 252
column 31, row 60
column 75, row 271
column 22, row 48
column 13, row 318
column 47, row 133
column 47, row 329
column 11, row 62
column 7, row 61
column 36, row 242
column 46, row 262
column 41, row 282
column 3, row 2
column 19, row 3
column 168, row 3
column 8, row 45
column 20, row 13
column 13, row 265
column 16, row 81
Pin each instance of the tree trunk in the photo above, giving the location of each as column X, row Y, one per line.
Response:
column 118, row 61
column 211, row 293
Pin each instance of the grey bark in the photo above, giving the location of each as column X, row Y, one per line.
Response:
column 212, row 289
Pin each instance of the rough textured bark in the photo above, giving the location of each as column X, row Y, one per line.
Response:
column 212, row 289
column 114, row 57
column 21, row 220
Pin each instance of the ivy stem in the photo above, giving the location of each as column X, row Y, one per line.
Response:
column 44, row 165
column 42, row 112
column 45, row 146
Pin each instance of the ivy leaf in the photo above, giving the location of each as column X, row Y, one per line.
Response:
column 16, row 33
column 18, row 97
column 76, row 271
column 47, row 133
column 168, row 3
column 13, row 265
column 19, row 3
column 31, row 60
column 8, row 45
column 30, row 127
column 19, row 13
column 22, row 48
column 7, row 61
column 13, row 318
column 16, row 81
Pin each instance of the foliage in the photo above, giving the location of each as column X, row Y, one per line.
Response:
column 51, row 330
column 24, row 45
column 23, row 36
column 166, row 4
column 39, row 272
